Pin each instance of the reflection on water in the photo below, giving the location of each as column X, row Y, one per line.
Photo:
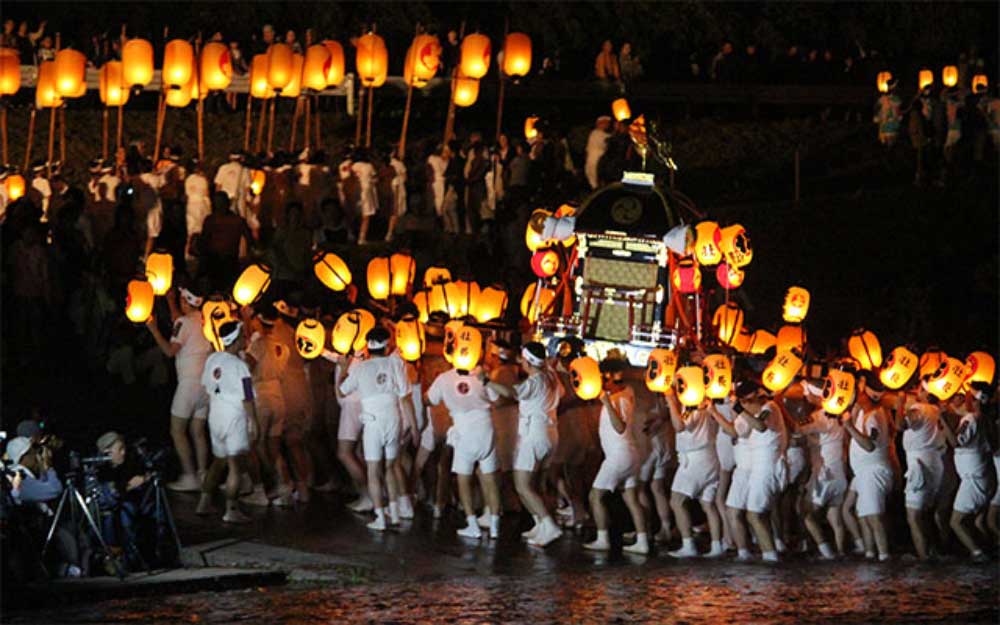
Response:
column 658, row 592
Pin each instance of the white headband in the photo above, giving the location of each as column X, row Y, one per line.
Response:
column 230, row 338
column 191, row 298
column 377, row 344
column 532, row 359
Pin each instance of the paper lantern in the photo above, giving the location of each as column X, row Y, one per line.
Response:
column 258, row 177
column 294, row 87
column 517, row 54
column 422, row 60
column 160, row 271
column 585, row 377
column 215, row 312
column 925, row 78
column 15, row 186
column 689, row 384
column 882, row 81
column 718, row 376
column 71, row 68
column 315, row 67
column 620, row 109
column 409, row 74
column 686, row 276
column 760, row 342
column 10, row 72
column 310, row 338
column 335, row 71
column 741, row 342
column 423, row 308
column 949, row 76
column 545, row 263
column 947, row 380
column 178, row 61
column 351, row 331
column 530, row 308
column 796, row 305
column 706, row 243
column 137, row 62
column 110, row 84
column 536, row 225
column 660, row 368
column 410, row 338
column 980, row 83
column 780, row 372
column 466, row 91
column 530, row 132
column 791, row 337
column 864, row 347
column 179, row 97
column 468, row 348
column 259, row 86
column 216, row 66
column 475, row 57
column 372, row 60
column 898, row 368
column 379, row 278
column 490, row 304
column 46, row 95
column 403, row 269
column 930, row 361
column 437, row 298
column 436, row 275
column 251, row 284
column 838, row 391
column 139, row 302
column 729, row 277
column 728, row 320
column 450, row 341
column 460, row 297
column 979, row 367
column 734, row 243
column 332, row 271
column 280, row 65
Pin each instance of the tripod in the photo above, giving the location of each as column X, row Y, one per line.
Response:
column 78, row 504
column 162, row 510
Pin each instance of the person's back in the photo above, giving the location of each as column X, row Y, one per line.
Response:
column 221, row 234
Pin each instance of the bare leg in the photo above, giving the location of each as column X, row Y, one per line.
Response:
column 662, row 508
column 232, row 483
column 529, row 497
column 419, row 463
column 442, row 494
column 835, row 519
column 491, row 491
column 598, row 509
column 278, row 458
column 964, row 535
column 347, row 457
column 465, row 494
column 714, row 523
column 375, row 483
column 301, row 461
column 638, row 515
column 683, row 517
column 199, row 432
column 916, row 521
column 390, row 231
column 851, row 521
column 725, row 479
column 178, row 432
column 813, row 527
column 363, row 231
column 877, row 524
column 760, row 523
column 739, row 529
column 391, row 482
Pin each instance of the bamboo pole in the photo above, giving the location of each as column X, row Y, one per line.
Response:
column 449, row 124
column 295, row 124
column 319, row 133
column 371, row 112
column 406, row 122
column 360, row 114
column 121, row 100
column 31, row 137
column 3, row 129
column 201, row 99
column 104, row 134
column 307, row 128
column 270, row 126
column 52, row 128
column 261, row 123
column 249, row 122
column 62, row 134
column 506, row 26
column 161, row 114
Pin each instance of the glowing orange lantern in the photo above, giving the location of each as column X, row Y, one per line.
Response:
column 838, row 391
column 423, row 307
column 258, row 177
column 864, row 348
column 372, row 60
column 490, row 304
column 110, row 84
column 686, row 276
column 517, row 54
column 468, row 348
column 760, row 342
column 436, row 275
column 180, row 97
column 379, row 284
column 14, row 184
column 585, row 377
column 620, row 109
column 280, row 66
column 335, row 71
column 979, row 367
column 530, row 132
column 898, row 368
column 545, row 263
column 780, row 372
column 351, row 331
column 410, row 338
column 728, row 319
column 178, row 61
column 451, row 330
column 947, row 380
column 137, row 62
column 139, row 303
column 315, row 67
column 882, row 81
column 530, row 308
column 10, row 71
column 216, row 66
column 791, row 337
column 160, row 272
column 46, row 95
column 71, row 68
column 259, row 86
column 466, row 91
column 214, row 313
column 925, row 78
column 706, row 244
column 294, row 87
column 718, row 376
column 437, row 298
column 796, row 305
column 949, row 76
column 689, row 384
column 729, row 277
column 741, row 342
column 536, row 225
column 251, row 284
column 310, row 338
column 422, row 60
column 930, row 361
column 475, row 56
column 660, row 368
column 461, row 295
column 734, row 243
column 409, row 75
column 980, row 83
column 332, row 271
column 403, row 269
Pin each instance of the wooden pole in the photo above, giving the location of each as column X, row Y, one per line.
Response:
column 161, row 114
column 307, row 129
column 121, row 100
column 104, row 134
column 261, row 122
column 270, row 126
column 506, row 26
column 201, row 99
column 31, row 137
column 52, row 127
column 295, row 124
column 371, row 112
column 319, row 133
column 449, row 124
column 62, row 134
column 249, row 121
column 360, row 115
column 406, row 122
column 3, row 129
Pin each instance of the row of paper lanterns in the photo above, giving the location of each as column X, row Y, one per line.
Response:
column 925, row 78
column 727, row 249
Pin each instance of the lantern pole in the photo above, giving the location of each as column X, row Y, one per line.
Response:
column 104, row 134
column 304, row 98
column 295, row 124
column 360, row 114
column 406, row 111
column 261, row 122
column 3, row 127
column 506, row 28
column 31, row 136
column 62, row 133
column 52, row 127
column 371, row 111
column 449, row 124
column 161, row 111
column 201, row 99
column 270, row 126
column 249, row 122
column 319, row 135
column 121, row 99
column 307, row 128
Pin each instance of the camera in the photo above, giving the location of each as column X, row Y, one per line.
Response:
column 152, row 459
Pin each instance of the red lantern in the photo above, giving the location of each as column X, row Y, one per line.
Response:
column 686, row 276
column 729, row 277
column 335, row 72
column 545, row 263
column 517, row 54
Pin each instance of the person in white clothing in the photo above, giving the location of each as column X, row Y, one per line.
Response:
column 922, row 442
column 384, row 388
column 620, row 467
column 537, row 435
column 738, row 430
column 870, row 430
column 198, row 202
column 468, row 398
column 971, row 451
column 697, row 476
column 437, row 164
column 233, row 177
column 725, row 445
column 597, row 145
column 348, row 434
column 827, row 482
column 653, row 438
column 367, row 183
column 189, row 409
column 232, row 420
column 398, row 185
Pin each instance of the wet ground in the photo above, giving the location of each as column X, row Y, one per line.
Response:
column 422, row 573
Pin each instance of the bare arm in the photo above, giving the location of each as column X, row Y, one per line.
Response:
column 616, row 418
column 676, row 415
column 168, row 348
column 724, row 425
column 866, row 442
column 949, row 432
column 502, row 390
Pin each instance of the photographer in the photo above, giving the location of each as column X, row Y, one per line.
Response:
column 124, row 500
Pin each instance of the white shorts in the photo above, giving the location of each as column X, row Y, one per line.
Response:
column 765, row 483
column 739, row 489
column 472, row 446
column 872, row 485
column 996, row 494
column 505, row 433
column 974, row 488
column 190, row 400
column 924, row 473
column 795, row 458
column 380, row 438
column 828, row 486
column 724, row 451
column 349, row 428
column 697, row 476
column 616, row 470
column 534, row 449
column 655, row 466
column 228, row 431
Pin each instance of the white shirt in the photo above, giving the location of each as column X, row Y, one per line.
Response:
column 866, row 423
column 741, row 449
column 438, row 165
column 537, row 401
column 767, row 443
column 971, row 449
column 199, row 204
column 380, row 383
column 613, row 442
column 398, row 186
column 830, row 439
column 228, row 382
column 922, row 433
column 466, row 398
column 195, row 348
column 698, row 432
column 366, row 181
column 232, row 178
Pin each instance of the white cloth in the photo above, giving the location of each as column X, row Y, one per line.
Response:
column 597, row 145
column 349, row 428
column 866, row 423
column 380, row 382
column 697, row 475
column 194, row 347
column 199, row 204
column 538, row 400
column 468, row 401
column 228, row 382
column 723, row 442
column 233, row 178
column 438, row 165
column 367, row 178
column 398, row 187
column 970, row 463
column 190, row 400
column 828, row 481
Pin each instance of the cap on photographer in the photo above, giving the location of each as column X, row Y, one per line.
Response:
column 126, row 471
column 29, row 462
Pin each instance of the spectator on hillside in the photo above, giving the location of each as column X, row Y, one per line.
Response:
column 451, row 53
column 25, row 42
column 597, row 144
column 631, row 68
column 606, row 63
column 724, row 64
column 221, row 235
column 753, row 65
column 292, row 42
column 266, row 39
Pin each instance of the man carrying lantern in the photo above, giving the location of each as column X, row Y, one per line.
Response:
column 297, row 403
column 828, row 477
column 348, row 433
column 888, row 115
